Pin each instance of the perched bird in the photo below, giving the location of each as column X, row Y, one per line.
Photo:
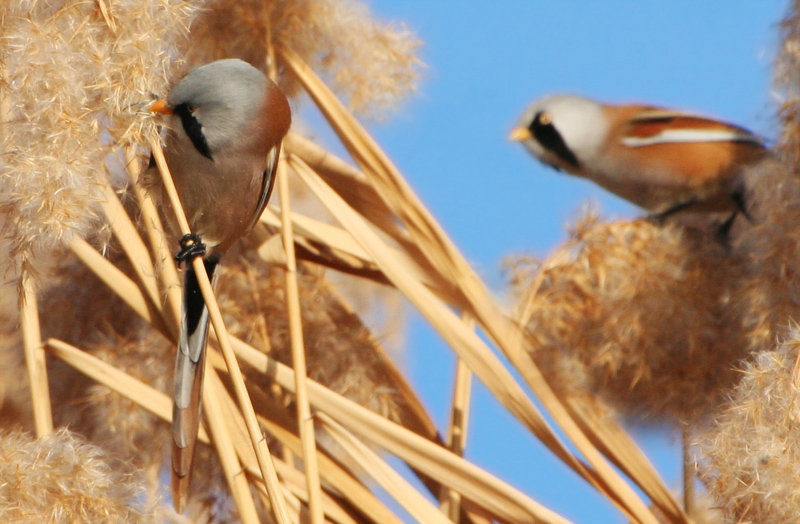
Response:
column 662, row 160
column 225, row 122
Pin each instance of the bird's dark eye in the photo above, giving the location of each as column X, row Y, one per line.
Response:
column 544, row 118
column 190, row 109
column 547, row 135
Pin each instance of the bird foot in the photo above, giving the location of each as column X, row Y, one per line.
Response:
column 191, row 247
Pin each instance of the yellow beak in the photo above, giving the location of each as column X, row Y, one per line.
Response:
column 160, row 106
column 519, row 134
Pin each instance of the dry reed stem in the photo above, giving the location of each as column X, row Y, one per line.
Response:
column 274, row 419
column 134, row 390
column 469, row 346
column 305, row 421
column 216, row 415
column 132, row 244
column 337, row 240
column 355, row 188
column 295, row 482
column 610, row 438
column 119, row 283
column 446, row 258
column 238, row 432
column 449, row 500
column 391, row 481
column 34, row 356
column 278, row 505
column 475, row 484
column 347, row 485
column 165, row 264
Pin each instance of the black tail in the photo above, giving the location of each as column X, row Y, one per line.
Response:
column 189, row 370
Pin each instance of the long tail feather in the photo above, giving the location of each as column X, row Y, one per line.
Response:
column 189, row 371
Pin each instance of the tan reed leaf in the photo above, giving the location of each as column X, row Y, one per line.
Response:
column 449, row 469
column 268, row 412
column 120, row 283
column 445, row 257
column 398, row 488
column 295, row 482
column 151, row 222
column 131, row 243
column 335, row 239
column 470, row 347
column 135, row 390
column 354, row 187
column 216, row 415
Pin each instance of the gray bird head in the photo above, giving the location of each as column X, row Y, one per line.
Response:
column 213, row 100
column 562, row 130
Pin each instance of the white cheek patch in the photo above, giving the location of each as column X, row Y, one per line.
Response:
column 677, row 136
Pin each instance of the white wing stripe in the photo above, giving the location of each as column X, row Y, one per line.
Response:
column 672, row 136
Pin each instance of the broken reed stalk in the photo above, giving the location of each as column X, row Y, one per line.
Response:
column 35, row 359
column 350, row 489
column 278, row 505
column 450, row 500
column 139, row 257
column 293, row 480
column 305, row 421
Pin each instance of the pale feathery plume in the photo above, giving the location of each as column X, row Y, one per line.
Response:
column 71, row 84
column 62, row 478
column 634, row 313
column 370, row 64
column 750, row 456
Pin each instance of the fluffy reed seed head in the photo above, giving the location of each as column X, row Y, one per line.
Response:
column 62, row 478
column 70, row 88
column 371, row 64
column 750, row 455
column 637, row 314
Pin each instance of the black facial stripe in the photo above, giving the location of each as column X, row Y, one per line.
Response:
column 550, row 138
column 193, row 129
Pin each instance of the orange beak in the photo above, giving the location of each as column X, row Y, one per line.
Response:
column 160, row 106
column 519, row 134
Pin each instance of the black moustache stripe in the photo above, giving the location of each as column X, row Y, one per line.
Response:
column 194, row 130
column 551, row 139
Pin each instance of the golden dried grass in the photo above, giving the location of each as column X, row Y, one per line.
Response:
column 110, row 322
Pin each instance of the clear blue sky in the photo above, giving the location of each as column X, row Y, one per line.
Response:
column 485, row 62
